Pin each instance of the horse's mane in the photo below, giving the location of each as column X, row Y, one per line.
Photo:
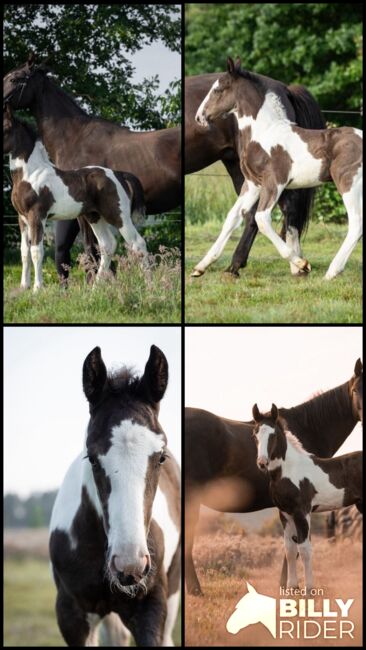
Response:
column 317, row 411
column 295, row 442
column 123, row 381
column 66, row 95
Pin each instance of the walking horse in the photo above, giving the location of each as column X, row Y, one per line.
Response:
column 301, row 483
column 114, row 531
column 42, row 192
column 277, row 154
column 221, row 469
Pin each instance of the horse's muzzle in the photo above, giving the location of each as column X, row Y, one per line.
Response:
column 130, row 574
column 262, row 464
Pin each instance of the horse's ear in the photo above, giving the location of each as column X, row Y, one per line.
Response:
column 44, row 66
column 274, row 411
column 230, row 65
column 251, row 589
column 155, row 378
column 358, row 368
column 257, row 415
column 31, row 59
column 94, row 376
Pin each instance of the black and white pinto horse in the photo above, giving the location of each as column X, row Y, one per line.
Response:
column 115, row 526
column 42, row 192
column 277, row 154
column 301, row 483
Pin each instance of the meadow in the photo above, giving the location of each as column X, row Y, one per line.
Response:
column 30, row 594
column 266, row 292
column 227, row 558
column 132, row 296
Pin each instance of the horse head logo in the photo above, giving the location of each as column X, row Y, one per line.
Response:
column 253, row 608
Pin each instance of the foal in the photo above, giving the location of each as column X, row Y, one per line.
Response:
column 301, row 483
column 277, row 154
column 41, row 191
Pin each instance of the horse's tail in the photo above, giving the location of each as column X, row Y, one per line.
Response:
column 308, row 116
column 138, row 208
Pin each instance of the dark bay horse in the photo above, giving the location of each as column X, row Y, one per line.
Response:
column 75, row 139
column 42, row 192
column 220, row 456
column 221, row 142
column 301, row 483
column 115, row 525
column 276, row 154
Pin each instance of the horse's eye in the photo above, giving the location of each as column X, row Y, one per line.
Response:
column 162, row 458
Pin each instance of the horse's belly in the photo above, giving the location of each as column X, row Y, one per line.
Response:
column 64, row 208
column 328, row 498
column 305, row 173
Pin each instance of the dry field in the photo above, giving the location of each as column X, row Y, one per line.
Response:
column 226, row 558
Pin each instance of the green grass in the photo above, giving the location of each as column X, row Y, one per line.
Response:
column 134, row 296
column 266, row 292
column 29, row 605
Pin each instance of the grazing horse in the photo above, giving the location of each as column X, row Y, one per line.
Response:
column 43, row 192
column 220, row 457
column 277, row 154
column 114, row 531
column 301, row 483
column 74, row 139
column 221, row 142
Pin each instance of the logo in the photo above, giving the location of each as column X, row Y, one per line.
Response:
column 300, row 618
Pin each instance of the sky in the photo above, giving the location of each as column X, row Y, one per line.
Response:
column 228, row 369
column 156, row 59
column 46, row 412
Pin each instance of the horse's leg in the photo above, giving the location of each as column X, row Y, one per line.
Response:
column 65, row 235
column 25, row 254
column 283, row 578
column 294, row 204
column 232, row 165
column 145, row 617
column 305, row 550
column 353, row 202
column 290, row 550
column 132, row 237
column 173, row 606
column 75, row 625
column 107, row 245
column 244, row 203
column 268, row 199
column 241, row 253
column 191, row 514
column 112, row 632
column 36, row 233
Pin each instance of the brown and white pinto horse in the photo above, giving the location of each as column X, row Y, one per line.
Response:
column 115, row 525
column 42, row 192
column 277, row 154
column 301, row 483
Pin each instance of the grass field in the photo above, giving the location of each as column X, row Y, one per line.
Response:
column 133, row 296
column 265, row 292
column 30, row 594
column 225, row 560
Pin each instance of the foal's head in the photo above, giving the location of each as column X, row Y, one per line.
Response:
column 356, row 390
column 269, row 435
column 23, row 84
column 125, row 448
column 229, row 94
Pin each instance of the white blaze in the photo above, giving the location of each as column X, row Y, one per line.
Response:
column 263, row 434
column 199, row 115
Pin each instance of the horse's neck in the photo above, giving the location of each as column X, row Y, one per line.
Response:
column 38, row 159
column 271, row 114
column 53, row 111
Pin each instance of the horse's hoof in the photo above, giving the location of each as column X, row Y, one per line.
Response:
column 305, row 266
column 196, row 273
column 232, row 271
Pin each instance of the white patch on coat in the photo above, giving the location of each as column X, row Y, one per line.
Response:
column 199, row 115
column 93, row 622
column 126, row 464
column 173, row 606
column 112, row 632
column 68, row 499
column 170, row 531
column 262, row 436
column 40, row 172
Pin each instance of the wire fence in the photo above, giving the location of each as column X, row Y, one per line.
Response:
column 151, row 221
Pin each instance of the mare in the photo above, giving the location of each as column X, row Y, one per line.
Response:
column 221, row 142
column 114, row 531
column 276, row 154
column 74, row 139
column 220, row 457
column 301, row 483
column 41, row 191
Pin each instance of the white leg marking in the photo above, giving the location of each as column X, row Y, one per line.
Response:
column 293, row 242
column 93, row 621
column 244, row 203
column 264, row 222
column 112, row 632
column 353, row 202
column 173, row 605
column 305, row 554
column 37, row 253
column 291, row 552
column 107, row 244
column 26, row 259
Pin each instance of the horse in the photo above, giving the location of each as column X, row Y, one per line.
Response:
column 221, row 142
column 220, row 457
column 301, row 483
column 114, row 531
column 74, row 139
column 42, row 192
column 277, row 154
